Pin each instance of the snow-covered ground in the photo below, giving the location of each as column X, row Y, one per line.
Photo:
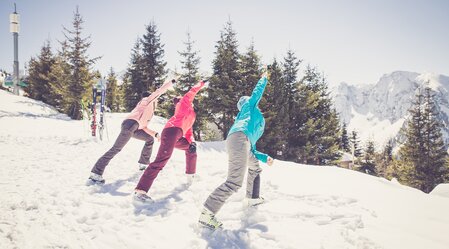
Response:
column 45, row 159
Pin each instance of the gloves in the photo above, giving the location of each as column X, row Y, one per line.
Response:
column 192, row 147
column 206, row 83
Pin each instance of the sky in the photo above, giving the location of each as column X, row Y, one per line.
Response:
column 348, row 40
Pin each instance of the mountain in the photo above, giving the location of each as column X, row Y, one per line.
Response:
column 378, row 111
column 46, row 158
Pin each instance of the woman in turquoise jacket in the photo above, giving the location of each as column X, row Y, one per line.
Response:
column 242, row 153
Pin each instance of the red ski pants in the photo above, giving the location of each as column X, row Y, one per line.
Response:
column 170, row 138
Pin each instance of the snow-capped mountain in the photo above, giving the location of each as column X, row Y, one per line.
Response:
column 378, row 111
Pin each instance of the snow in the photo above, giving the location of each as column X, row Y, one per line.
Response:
column 46, row 158
column 441, row 190
column 346, row 157
column 369, row 127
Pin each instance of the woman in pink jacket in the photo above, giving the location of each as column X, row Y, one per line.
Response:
column 177, row 133
column 135, row 125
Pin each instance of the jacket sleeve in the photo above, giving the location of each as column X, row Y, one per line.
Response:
column 260, row 156
column 258, row 91
column 149, row 132
column 189, row 135
column 161, row 90
column 190, row 95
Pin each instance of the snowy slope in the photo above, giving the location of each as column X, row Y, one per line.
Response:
column 378, row 111
column 45, row 159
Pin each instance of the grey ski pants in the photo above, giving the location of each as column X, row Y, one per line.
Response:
column 240, row 158
column 129, row 129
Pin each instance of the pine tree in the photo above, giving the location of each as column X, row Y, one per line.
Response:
column 368, row 165
column 275, row 108
column 225, row 83
column 355, row 144
column 435, row 169
column 424, row 149
column 344, row 143
column 297, row 117
column 384, row 159
column 249, row 70
column 399, row 169
column 60, row 75
column 290, row 72
column 38, row 78
column 113, row 94
column 132, row 81
column 81, row 77
column 189, row 77
column 317, row 131
column 153, row 62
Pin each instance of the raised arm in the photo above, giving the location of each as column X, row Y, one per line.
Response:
column 258, row 91
column 161, row 90
column 190, row 95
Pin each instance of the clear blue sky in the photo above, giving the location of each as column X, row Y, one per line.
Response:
column 352, row 41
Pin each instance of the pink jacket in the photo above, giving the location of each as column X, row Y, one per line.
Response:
column 184, row 114
column 144, row 110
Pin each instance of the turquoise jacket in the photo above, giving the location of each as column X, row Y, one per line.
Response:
column 250, row 119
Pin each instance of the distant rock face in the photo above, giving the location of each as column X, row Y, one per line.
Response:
column 2, row 77
column 369, row 109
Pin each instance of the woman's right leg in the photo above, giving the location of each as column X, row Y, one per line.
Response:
column 238, row 147
column 129, row 126
column 169, row 137
column 253, row 179
column 147, row 147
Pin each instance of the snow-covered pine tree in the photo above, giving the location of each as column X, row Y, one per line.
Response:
column 113, row 94
column 38, row 77
column 225, row 83
column 368, row 164
column 81, row 77
column 153, row 66
column 133, row 78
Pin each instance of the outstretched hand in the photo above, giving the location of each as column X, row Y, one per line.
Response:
column 206, row 83
column 158, row 137
column 266, row 71
column 270, row 161
column 192, row 147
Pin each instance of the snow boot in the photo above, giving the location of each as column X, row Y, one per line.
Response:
column 207, row 219
column 142, row 166
column 95, row 179
column 252, row 202
column 190, row 178
column 140, row 197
